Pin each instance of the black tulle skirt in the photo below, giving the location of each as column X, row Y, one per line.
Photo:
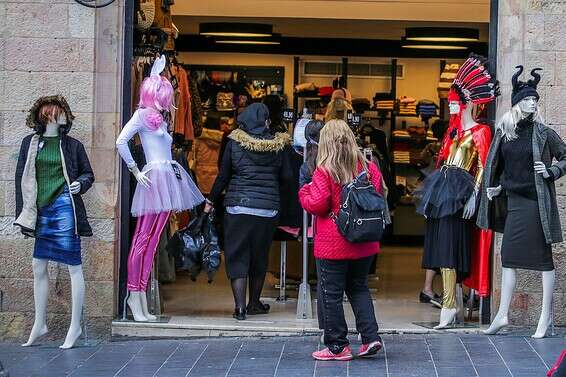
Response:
column 442, row 199
column 444, row 192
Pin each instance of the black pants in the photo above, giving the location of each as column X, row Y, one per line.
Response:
column 350, row 276
column 247, row 240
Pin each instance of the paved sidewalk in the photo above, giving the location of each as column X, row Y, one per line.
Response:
column 402, row 356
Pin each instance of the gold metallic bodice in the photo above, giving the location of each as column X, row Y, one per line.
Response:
column 464, row 154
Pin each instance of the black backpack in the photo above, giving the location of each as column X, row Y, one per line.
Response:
column 361, row 214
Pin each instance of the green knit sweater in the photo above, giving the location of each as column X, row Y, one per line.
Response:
column 49, row 172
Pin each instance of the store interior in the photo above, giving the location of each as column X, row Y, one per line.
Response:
column 399, row 92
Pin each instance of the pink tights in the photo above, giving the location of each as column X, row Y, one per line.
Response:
column 144, row 244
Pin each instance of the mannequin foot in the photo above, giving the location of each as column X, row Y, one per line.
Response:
column 36, row 333
column 447, row 318
column 496, row 325
column 71, row 338
column 145, row 310
column 134, row 303
column 542, row 328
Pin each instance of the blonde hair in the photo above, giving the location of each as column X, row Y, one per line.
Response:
column 338, row 152
column 508, row 122
column 338, row 109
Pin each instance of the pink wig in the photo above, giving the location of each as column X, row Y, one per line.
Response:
column 157, row 94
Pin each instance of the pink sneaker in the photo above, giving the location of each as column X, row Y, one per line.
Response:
column 369, row 349
column 326, row 354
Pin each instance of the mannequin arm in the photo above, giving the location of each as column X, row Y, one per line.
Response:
column 130, row 129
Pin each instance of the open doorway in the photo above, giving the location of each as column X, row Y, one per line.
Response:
column 400, row 94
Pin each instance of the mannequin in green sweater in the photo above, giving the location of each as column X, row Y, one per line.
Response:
column 51, row 185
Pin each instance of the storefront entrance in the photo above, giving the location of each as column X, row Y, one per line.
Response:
column 391, row 83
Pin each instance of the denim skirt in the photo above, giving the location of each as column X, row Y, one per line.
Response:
column 55, row 237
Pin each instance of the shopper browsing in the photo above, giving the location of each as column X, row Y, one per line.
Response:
column 343, row 266
column 251, row 172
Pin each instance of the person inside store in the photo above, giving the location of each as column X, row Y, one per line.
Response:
column 343, row 266
column 339, row 105
column 519, row 196
column 430, row 156
column 52, row 174
column 252, row 170
column 275, row 106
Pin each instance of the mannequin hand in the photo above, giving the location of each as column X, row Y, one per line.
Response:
column 540, row 168
column 75, row 188
column 493, row 192
column 141, row 177
column 470, row 207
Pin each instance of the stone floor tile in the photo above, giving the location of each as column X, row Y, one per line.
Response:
column 456, row 372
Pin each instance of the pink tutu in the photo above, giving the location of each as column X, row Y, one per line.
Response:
column 171, row 190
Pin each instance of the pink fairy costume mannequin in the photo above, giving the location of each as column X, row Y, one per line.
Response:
column 163, row 185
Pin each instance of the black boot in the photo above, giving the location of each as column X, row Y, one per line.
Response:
column 256, row 286
column 239, row 314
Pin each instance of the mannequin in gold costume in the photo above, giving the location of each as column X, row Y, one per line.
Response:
column 449, row 196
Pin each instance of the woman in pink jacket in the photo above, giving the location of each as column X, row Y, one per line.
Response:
column 343, row 266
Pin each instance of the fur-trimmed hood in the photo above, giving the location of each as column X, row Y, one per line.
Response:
column 253, row 144
column 32, row 120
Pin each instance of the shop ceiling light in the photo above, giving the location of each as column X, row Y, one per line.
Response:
column 442, row 34
column 235, row 29
column 274, row 39
column 424, row 45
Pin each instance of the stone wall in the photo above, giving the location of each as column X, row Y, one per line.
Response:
column 48, row 47
column 532, row 33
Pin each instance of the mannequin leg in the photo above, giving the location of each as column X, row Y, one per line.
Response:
column 449, row 310
column 508, row 281
column 148, row 259
column 40, row 294
column 78, row 294
column 140, row 242
column 144, row 306
column 548, row 278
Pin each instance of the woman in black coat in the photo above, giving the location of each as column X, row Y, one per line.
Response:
column 252, row 170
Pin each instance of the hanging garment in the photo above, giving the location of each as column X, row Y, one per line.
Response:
column 196, row 106
column 183, row 117
column 207, row 152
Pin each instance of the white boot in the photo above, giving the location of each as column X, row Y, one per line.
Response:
column 134, row 303
column 145, row 310
column 447, row 318
column 546, row 313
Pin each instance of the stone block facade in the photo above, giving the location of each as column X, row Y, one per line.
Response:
column 49, row 47
column 531, row 33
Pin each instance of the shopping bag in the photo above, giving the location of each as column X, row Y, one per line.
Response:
column 188, row 245
column 211, row 256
